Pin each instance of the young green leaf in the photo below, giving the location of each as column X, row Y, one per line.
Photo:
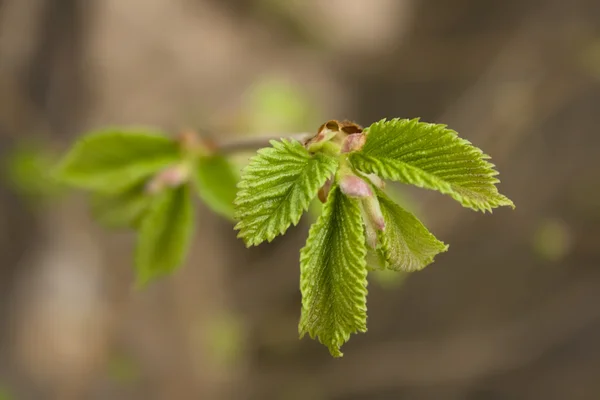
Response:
column 276, row 188
column 27, row 167
column 216, row 184
column 110, row 161
column 165, row 234
column 406, row 245
column 333, row 274
column 123, row 210
column 433, row 157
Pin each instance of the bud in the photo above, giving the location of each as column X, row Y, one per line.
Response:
column 373, row 219
column 169, row 177
column 350, row 127
column 188, row 140
column 326, row 132
column 353, row 142
column 353, row 186
column 371, row 233
column 373, row 212
column 376, row 181
column 329, row 126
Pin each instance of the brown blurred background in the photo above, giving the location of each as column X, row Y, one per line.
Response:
column 512, row 311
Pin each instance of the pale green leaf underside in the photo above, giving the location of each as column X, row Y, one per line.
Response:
column 165, row 234
column 406, row 244
column 111, row 160
column 123, row 210
column 333, row 274
column 433, row 157
column 276, row 187
column 216, row 184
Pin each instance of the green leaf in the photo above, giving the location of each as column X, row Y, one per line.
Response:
column 111, row 160
column 27, row 168
column 333, row 274
column 165, row 234
column 216, row 183
column 388, row 279
column 276, row 188
column 405, row 245
column 123, row 210
column 433, row 157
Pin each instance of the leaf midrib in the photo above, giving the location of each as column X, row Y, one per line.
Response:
column 447, row 185
column 261, row 227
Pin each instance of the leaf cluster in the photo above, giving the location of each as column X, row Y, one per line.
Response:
column 144, row 181
column 346, row 166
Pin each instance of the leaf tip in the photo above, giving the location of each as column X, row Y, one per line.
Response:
column 274, row 142
column 248, row 241
column 504, row 201
column 509, row 203
column 335, row 351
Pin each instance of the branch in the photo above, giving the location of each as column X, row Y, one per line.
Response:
column 238, row 144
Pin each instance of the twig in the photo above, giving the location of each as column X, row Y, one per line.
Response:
column 253, row 143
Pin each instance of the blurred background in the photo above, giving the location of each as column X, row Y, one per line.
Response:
column 512, row 311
